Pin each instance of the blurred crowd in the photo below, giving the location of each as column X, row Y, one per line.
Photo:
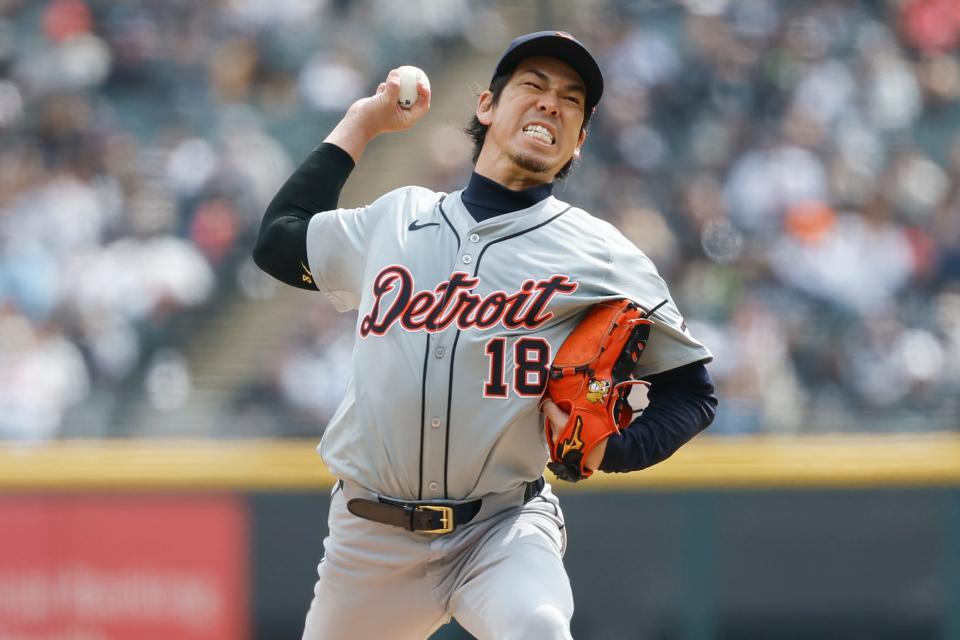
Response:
column 140, row 142
column 792, row 168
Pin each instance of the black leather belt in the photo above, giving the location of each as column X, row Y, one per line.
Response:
column 427, row 517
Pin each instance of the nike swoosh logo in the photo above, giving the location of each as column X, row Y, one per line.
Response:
column 414, row 226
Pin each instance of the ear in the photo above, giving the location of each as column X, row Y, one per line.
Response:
column 580, row 140
column 485, row 108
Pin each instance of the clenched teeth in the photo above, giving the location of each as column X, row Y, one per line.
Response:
column 538, row 132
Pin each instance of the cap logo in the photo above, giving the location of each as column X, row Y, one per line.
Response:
column 564, row 34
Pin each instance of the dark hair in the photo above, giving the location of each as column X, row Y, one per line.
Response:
column 478, row 131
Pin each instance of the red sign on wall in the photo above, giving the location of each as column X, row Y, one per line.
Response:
column 123, row 568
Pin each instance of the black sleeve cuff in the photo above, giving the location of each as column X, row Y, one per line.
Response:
column 682, row 404
column 614, row 456
column 315, row 186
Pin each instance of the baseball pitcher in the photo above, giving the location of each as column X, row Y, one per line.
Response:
column 498, row 328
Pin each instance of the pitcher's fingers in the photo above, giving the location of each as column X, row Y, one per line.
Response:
column 392, row 85
column 381, row 87
column 555, row 413
column 423, row 100
column 423, row 89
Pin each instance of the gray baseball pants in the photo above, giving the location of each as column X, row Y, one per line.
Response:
column 501, row 576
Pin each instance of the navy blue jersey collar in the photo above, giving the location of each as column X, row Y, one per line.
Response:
column 485, row 198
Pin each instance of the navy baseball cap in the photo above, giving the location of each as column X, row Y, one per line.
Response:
column 560, row 45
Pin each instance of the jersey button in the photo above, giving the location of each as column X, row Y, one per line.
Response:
column 467, row 259
column 433, row 486
column 474, row 237
column 435, row 423
column 440, row 351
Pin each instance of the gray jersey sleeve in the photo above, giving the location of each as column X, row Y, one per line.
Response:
column 336, row 249
column 338, row 243
column 633, row 275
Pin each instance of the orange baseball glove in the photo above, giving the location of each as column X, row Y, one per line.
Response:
column 590, row 379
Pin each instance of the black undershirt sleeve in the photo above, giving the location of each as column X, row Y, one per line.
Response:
column 682, row 404
column 315, row 186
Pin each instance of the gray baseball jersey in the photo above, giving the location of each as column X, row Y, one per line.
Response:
column 457, row 324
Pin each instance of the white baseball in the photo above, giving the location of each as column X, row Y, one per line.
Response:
column 408, row 85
